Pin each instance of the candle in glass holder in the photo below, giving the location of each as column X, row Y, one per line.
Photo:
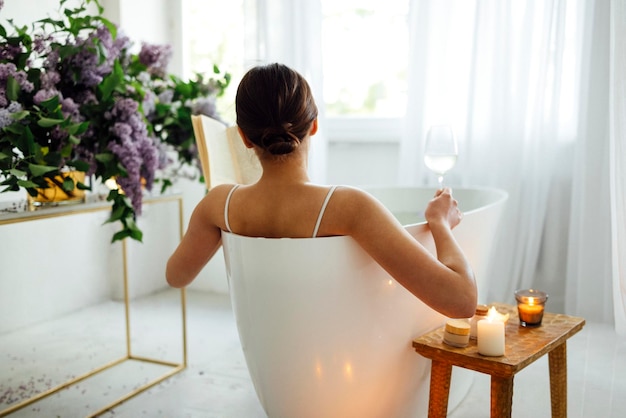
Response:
column 530, row 306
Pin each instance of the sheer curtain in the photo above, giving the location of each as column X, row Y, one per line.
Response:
column 618, row 158
column 514, row 80
column 525, row 85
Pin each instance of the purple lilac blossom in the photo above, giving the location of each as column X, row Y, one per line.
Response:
column 58, row 135
column 166, row 96
column 85, row 97
column 83, row 153
column 92, row 70
column 71, row 109
column 9, row 69
column 9, row 52
column 52, row 59
column 6, row 118
column 49, row 79
column 135, row 150
column 43, row 95
column 203, row 106
column 40, row 43
column 156, row 58
column 164, row 158
column 149, row 103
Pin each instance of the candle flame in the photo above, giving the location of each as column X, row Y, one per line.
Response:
column 494, row 315
column 531, row 300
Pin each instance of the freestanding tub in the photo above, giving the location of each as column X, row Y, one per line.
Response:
column 326, row 332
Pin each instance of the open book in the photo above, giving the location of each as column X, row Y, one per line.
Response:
column 223, row 155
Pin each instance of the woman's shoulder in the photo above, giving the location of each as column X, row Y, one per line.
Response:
column 216, row 197
column 354, row 196
column 356, row 205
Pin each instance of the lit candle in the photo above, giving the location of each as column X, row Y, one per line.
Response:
column 530, row 306
column 491, row 335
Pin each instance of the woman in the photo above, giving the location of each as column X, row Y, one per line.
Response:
column 277, row 116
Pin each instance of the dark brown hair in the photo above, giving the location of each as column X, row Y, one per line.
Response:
column 275, row 108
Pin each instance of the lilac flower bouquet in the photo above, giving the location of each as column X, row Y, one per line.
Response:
column 170, row 101
column 73, row 96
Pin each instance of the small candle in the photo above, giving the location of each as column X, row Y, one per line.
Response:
column 490, row 337
column 530, row 307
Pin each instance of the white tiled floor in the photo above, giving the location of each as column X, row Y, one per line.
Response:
column 216, row 383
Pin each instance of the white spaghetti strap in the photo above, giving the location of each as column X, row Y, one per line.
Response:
column 230, row 193
column 319, row 217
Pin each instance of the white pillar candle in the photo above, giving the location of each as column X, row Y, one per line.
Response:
column 490, row 337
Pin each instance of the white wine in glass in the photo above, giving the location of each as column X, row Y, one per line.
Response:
column 441, row 151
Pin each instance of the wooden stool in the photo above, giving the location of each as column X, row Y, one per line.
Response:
column 523, row 346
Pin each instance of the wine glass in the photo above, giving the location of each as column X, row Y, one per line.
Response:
column 441, row 151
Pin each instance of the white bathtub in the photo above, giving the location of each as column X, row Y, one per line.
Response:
column 327, row 333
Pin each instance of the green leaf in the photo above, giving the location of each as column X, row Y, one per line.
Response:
column 119, row 236
column 82, row 186
column 112, row 81
column 4, row 156
column 110, row 26
column 52, row 104
column 135, row 232
column 11, row 188
column 32, row 191
column 68, row 184
column 79, row 165
column 17, row 173
column 66, row 151
column 116, row 214
column 104, row 157
column 39, row 170
column 20, row 115
column 78, row 128
column 15, row 128
column 27, row 184
column 166, row 183
column 48, row 122
column 13, row 88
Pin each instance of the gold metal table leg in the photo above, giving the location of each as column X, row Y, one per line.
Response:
column 176, row 367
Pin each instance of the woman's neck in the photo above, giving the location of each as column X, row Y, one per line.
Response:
column 291, row 169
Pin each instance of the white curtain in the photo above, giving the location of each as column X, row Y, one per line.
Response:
column 618, row 158
column 289, row 32
column 515, row 81
column 525, row 85
column 589, row 273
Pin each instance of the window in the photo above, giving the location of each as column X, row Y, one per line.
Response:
column 365, row 47
column 364, row 63
column 213, row 34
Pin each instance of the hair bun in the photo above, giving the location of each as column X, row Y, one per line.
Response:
column 279, row 141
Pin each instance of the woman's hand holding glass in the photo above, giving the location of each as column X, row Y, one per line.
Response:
column 443, row 208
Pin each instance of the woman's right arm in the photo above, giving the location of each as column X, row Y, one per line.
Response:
column 445, row 282
column 201, row 240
